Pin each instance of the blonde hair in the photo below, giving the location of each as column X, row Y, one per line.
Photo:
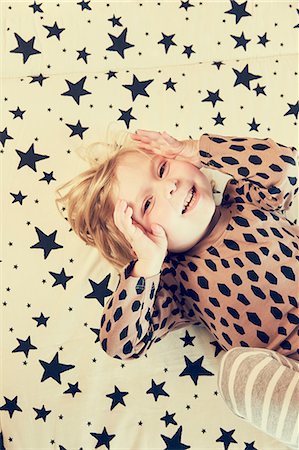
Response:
column 90, row 203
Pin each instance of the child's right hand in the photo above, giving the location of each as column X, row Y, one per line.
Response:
column 148, row 246
column 165, row 145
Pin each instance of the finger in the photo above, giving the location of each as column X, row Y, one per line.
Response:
column 138, row 137
column 148, row 133
column 119, row 212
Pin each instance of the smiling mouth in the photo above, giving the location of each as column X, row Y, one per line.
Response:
column 191, row 201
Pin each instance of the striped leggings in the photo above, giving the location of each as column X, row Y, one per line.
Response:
column 262, row 387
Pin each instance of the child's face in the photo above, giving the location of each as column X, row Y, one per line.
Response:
column 156, row 187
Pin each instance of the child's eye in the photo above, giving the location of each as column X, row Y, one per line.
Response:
column 162, row 167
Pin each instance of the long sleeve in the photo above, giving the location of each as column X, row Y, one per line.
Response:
column 141, row 311
column 264, row 172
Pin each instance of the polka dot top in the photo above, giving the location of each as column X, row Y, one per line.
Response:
column 240, row 281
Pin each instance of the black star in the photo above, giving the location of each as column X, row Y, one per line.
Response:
column 46, row 242
column 167, row 41
column 245, row 77
column 11, row 406
column 103, row 438
column 259, row 89
column 36, row 8
column 77, row 129
column 25, row 47
column 195, row 369
column 115, row 21
column 73, row 389
column 84, row 5
column 253, row 125
column 119, row 43
column 175, row 441
column 117, row 397
column 41, row 413
column 188, row 340
column 25, row 346
column 54, row 30
column 41, row 320
column 219, row 119
column 226, row 438
column 186, row 5
column 218, row 348
column 218, row 64
column 127, row 116
column 100, row 290
column 241, row 41
column 83, row 54
column 238, row 10
column 30, row 158
column 60, row 278
column 157, row 389
column 38, row 79
column 170, row 84
column 293, row 109
column 263, row 40
column 4, row 136
column 76, row 90
column 213, row 97
column 169, row 419
column 17, row 113
column 138, row 87
column 54, row 368
column 188, row 51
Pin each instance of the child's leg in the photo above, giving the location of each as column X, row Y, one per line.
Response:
column 262, row 387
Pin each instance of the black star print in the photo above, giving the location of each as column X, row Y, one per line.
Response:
column 175, row 441
column 76, row 90
column 30, row 158
column 167, row 41
column 60, row 278
column 117, row 397
column 103, row 438
column 46, row 242
column 293, row 109
column 38, row 79
column 4, row 136
column 77, row 129
column 157, row 390
column 25, row 47
column 10, row 406
column 54, row 369
column 238, row 10
column 245, row 77
column 24, row 346
column 100, row 290
column 195, row 369
column 119, row 43
column 138, row 87
column 213, row 97
column 54, row 30
column 226, row 438
column 42, row 413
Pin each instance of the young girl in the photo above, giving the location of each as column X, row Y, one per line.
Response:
column 232, row 268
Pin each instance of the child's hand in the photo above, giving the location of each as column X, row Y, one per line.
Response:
column 168, row 146
column 159, row 143
column 151, row 247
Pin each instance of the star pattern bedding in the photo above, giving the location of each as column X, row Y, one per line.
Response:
column 69, row 69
